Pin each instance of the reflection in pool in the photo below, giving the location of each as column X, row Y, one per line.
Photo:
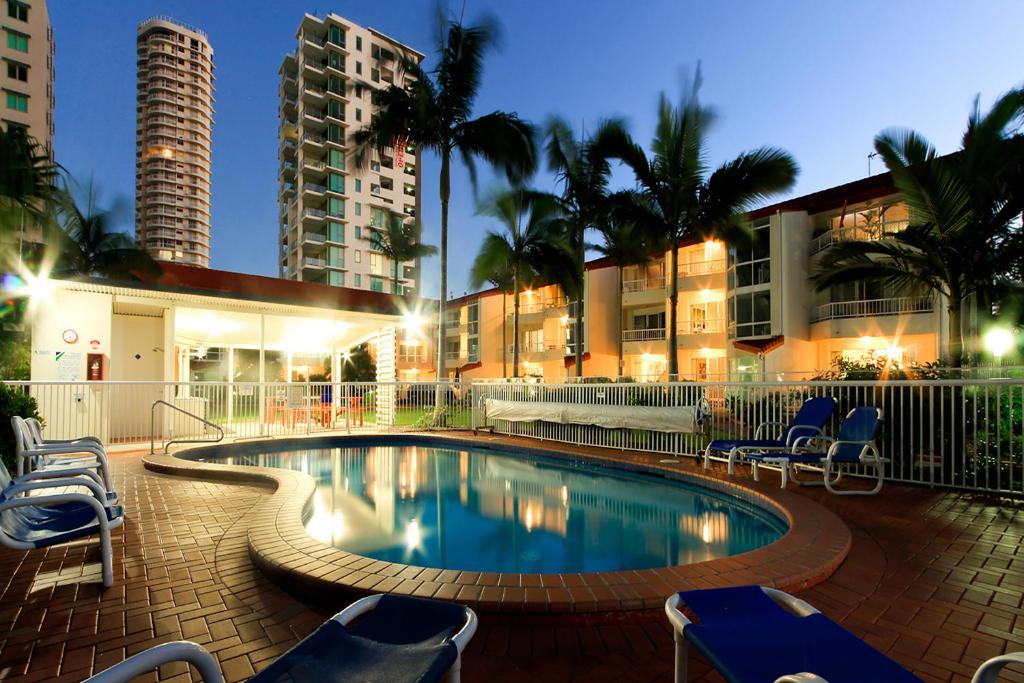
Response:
column 485, row 510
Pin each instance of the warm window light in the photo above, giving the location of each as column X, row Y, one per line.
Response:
column 865, row 340
column 412, row 321
column 998, row 341
column 705, row 294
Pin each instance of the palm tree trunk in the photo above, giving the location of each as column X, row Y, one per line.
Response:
column 504, row 337
column 515, row 327
column 956, row 330
column 578, row 333
column 396, row 275
column 446, row 193
column 618, row 331
column 673, row 298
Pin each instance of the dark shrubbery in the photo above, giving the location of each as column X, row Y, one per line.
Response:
column 13, row 401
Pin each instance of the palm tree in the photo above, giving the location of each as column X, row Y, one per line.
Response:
column 27, row 176
column 583, row 176
column 88, row 244
column 400, row 241
column 678, row 199
column 434, row 111
column 530, row 248
column 962, row 239
column 503, row 282
column 626, row 245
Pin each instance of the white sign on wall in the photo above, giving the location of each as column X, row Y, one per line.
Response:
column 67, row 366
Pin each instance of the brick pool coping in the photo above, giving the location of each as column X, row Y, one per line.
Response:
column 815, row 545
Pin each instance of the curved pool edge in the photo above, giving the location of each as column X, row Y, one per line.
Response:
column 814, row 547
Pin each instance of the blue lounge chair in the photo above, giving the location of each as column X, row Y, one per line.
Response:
column 396, row 639
column 58, row 515
column 753, row 634
column 854, row 445
column 809, row 422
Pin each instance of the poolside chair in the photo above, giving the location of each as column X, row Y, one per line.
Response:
column 754, row 634
column 31, row 454
column 854, row 445
column 398, row 639
column 28, row 522
column 36, row 430
column 809, row 422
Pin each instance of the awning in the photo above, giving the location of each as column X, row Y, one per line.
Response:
column 760, row 346
column 570, row 361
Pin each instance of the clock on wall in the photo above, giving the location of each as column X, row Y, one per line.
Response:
column 70, row 336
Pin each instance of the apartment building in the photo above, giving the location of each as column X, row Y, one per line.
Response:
column 28, row 53
column 174, row 114
column 330, row 206
column 743, row 313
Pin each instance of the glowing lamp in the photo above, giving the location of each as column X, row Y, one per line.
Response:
column 998, row 341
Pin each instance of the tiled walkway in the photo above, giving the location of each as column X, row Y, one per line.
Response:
column 934, row 579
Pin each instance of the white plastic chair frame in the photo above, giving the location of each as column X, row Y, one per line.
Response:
column 94, row 501
column 33, row 456
column 204, row 662
column 988, row 672
column 680, row 622
column 868, row 456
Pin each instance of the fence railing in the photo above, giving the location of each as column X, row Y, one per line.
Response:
column 954, row 433
column 868, row 233
column 873, row 307
column 652, row 334
column 643, row 284
column 966, row 433
column 119, row 412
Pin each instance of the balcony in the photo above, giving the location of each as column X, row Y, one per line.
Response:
column 696, row 268
column 314, row 213
column 653, row 334
column 314, row 237
column 865, row 233
column 313, row 187
column 313, row 262
column 873, row 307
column 687, row 327
column 313, row 139
column 452, row 355
column 643, row 284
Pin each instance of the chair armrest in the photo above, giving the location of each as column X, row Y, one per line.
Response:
column 65, row 473
column 817, row 432
column 989, row 670
column 834, row 446
column 465, row 634
column 760, row 427
column 58, row 498
column 67, row 449
column 799, row 607
column 82, row 439
column 801, row 678
column 675, row 615
column 96, row 489
column 357, row 609
column 148, row 660
column 805, row 441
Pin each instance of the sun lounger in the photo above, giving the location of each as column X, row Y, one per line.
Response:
column 854, row 445
column 33, row 455
column 386, row 638
column 808, row 423
column 753, row 634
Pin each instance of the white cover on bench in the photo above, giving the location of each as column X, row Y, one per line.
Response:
column 655, row 419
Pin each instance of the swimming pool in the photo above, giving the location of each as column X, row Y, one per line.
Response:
column 455, row 506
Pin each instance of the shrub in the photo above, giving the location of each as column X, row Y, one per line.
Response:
column 18, row 402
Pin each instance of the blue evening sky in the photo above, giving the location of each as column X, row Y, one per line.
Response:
column 819, row 79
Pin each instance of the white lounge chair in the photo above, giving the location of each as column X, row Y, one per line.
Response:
column 34, row 455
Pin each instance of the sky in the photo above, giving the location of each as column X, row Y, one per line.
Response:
column 818, row 79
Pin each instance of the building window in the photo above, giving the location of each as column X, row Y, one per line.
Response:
column 17, row 71
column 17, row 41
column 336, row 232
column 336, row 279
column 359, row 280
column 359, row 68
column 375, row 75
column 376, row 264
column 359, row 185
column 376, row 283
column 336, row 35
column 359, row 91
column 359, row 43
column 359, row 233
column 17, row 10
column 359, row 114
column 359, row 209
column 359, row 256
column 336, row 182
column 17, row 101
column 336, row 159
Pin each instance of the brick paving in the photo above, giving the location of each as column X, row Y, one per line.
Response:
column 934, row 579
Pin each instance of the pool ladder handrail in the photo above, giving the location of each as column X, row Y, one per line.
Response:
column 167, row 446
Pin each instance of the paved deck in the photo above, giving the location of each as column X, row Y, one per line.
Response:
column 935, row 579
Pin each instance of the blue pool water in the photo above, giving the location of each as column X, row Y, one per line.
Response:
column 498, row 511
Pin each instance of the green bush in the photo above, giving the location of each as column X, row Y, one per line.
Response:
column 13, row 402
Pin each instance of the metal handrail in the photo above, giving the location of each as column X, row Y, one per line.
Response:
column 167, row 446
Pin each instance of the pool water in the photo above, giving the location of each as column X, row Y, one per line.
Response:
column 502, row 511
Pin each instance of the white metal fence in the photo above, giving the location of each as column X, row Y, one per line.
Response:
column 122, row 412
column 966, row 433
column 954, row 433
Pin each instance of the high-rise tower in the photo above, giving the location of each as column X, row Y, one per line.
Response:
column 328, row 207
column 172, row 151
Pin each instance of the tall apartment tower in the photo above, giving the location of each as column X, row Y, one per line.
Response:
column 28, row 82
column 329, row 207
column 174, row 114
